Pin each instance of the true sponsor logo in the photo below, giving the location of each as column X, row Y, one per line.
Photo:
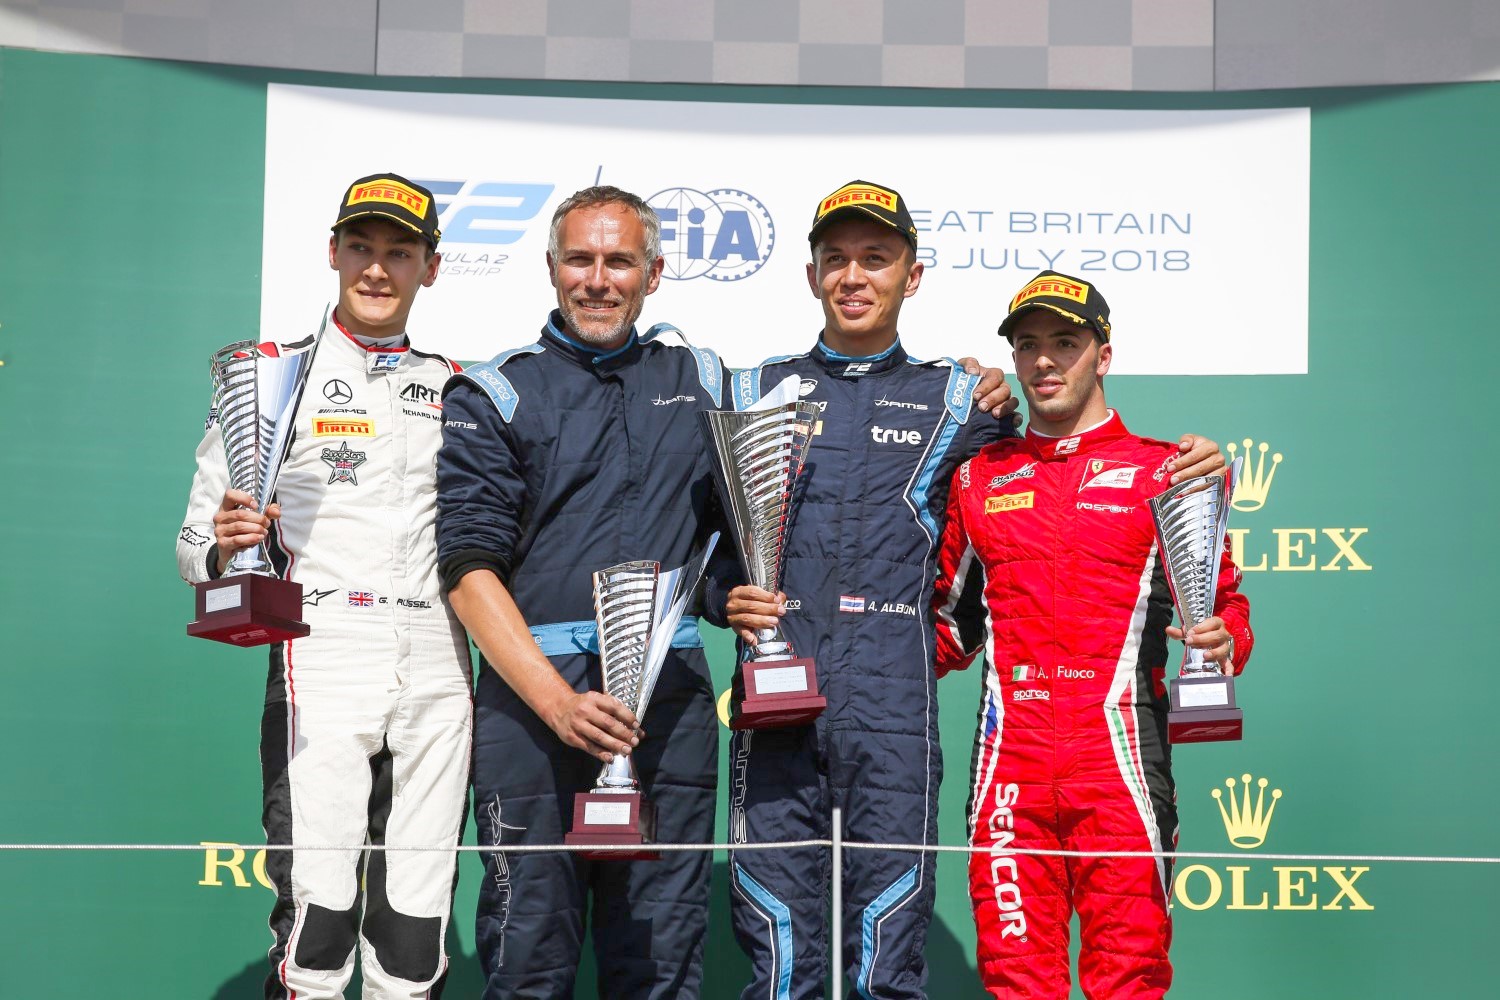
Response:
column 1247, row 811
column 337, row 391
column 392, row 193
column 963, row 474
column 342, row 409
column 313, row 598
column 1024, row 472
column 722, row 234
column 882, row 401
column 461, row 425
column 342, row 427
column 343, row 462
column 794, row 604
column 806, row 386
column 1104, row 474
column 1057, row 287
column 658, row 401
column 894, row 435
column 1031, row 694
column 1008, row 501
column 1294, row 549
column 502, row 868
column 858, row 194
column 213, row 415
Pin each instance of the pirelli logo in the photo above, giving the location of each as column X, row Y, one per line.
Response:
column 390, row 192
column 858, row 194
column 330, row 427
column 1060, row 287
column 1008, row 501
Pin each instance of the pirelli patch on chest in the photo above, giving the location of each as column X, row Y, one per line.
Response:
column 1009, row 501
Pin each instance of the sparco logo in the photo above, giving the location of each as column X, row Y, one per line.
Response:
column 1024, row 472
column 891, row 435
column 1003, row 871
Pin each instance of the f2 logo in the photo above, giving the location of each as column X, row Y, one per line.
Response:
column 472, row 211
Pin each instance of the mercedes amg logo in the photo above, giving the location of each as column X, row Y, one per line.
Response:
column 337, row 391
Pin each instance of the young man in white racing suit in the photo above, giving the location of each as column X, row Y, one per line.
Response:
column 366, row 730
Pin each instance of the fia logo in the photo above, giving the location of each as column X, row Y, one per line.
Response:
column 722, row 234
column 485, row 211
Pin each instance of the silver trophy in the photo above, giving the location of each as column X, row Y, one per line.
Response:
column 637, row 608
column 256, row 392
column 759, row 454
column 1191, row 519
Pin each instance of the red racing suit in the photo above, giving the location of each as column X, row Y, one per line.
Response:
column 1049, row 565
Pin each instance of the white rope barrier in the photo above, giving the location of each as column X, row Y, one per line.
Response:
column 773, row 846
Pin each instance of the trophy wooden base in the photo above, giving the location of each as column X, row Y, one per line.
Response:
column 248, row 610
column 614, row 818
column 1203, row 710
column 778, row 693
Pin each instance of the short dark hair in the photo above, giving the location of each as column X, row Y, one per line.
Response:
column 607, row 194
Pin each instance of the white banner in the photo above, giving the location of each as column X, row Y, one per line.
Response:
column 1193, row 224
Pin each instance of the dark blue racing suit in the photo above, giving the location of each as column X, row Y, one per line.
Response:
column 861, row 557
column 559, row 460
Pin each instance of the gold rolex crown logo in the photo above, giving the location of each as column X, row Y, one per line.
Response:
column 1246, row 824
column 1255, row 481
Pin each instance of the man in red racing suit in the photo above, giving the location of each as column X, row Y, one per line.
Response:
column 1049, row 567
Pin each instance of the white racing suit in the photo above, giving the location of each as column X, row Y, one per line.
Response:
column 366, row 731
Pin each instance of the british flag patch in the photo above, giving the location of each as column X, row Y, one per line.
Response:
column 361, row 599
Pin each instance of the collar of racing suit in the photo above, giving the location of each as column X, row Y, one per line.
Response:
column 554, row 333
column 1048, row 447
column 849, row 366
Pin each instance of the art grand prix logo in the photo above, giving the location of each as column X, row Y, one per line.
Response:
column 1247, row 811
column 722, row 234
column 1289, row 549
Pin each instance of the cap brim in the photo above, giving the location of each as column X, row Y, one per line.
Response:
column 373, row 213
column 1007, row 324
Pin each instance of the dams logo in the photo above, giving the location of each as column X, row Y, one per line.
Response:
column 1247, row 822
column 1294, row 550
column 1008, row 501
column 343, row 428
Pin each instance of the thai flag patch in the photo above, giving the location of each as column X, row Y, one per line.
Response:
column 361, row 599
column 854, row 605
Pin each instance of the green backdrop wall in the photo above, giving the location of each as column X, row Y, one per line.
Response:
column 130, row 217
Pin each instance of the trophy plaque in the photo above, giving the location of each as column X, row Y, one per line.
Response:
column 759, row 453
column 636, row 610
column 256, row 390
column 1190, row 520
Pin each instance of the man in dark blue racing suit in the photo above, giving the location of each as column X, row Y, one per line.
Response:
column 860, row 562
column 561, row 458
